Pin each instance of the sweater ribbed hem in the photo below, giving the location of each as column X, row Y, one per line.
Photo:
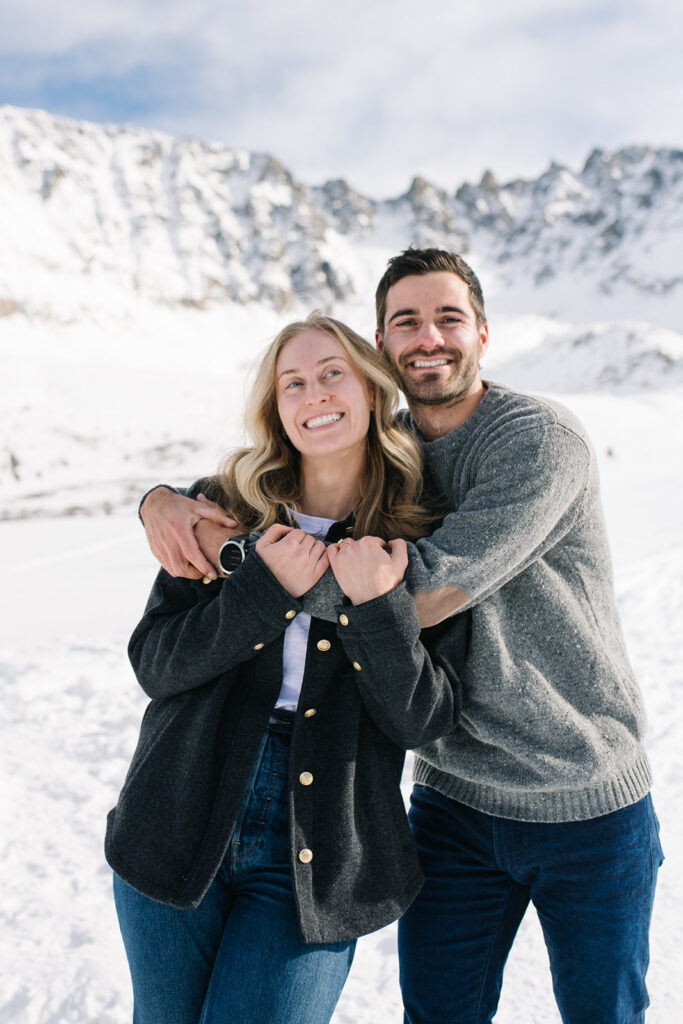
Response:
column 561, row 805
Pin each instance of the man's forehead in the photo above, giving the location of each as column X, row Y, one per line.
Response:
column 428, row 291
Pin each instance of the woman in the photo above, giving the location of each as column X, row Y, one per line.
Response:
column 261, row 827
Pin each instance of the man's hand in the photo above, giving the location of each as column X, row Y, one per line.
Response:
column 169, row 521
column 294, row 557
column 365, row 569
column 210, row 537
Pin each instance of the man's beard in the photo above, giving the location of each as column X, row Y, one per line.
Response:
column 432, row 389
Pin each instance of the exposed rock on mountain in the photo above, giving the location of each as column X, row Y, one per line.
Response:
column 140, row 275
column 180, row 221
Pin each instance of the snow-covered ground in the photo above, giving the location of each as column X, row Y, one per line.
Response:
column 73, row 587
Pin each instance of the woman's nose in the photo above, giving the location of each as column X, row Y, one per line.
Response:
column 315, row 394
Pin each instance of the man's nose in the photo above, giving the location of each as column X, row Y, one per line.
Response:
column 430, row 335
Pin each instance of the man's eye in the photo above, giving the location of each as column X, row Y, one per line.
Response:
column 406, row 323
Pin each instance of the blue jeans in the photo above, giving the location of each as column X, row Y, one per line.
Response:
column 592, row 883
column 238, row 957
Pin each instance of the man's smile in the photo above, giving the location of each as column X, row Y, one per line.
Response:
column 421, row 363
column 425, row 361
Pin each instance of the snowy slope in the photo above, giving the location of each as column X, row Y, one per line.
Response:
column 71, row 710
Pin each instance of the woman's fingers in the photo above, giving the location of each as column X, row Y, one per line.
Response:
column 319, row 561
column 272, row 535
column 296, row 558
column 368, row 567
column 399, row 553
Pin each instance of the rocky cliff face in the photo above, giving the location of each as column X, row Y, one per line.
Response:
column 141, row 274
column 178, row 221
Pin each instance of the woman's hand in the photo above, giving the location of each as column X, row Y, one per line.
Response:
column 294, row 557
column 369, row 567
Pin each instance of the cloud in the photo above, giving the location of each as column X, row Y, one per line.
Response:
column 375, row 92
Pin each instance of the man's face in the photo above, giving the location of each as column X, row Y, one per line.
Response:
column 432, row 340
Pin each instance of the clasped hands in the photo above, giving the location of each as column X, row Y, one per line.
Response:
column 364, row 568
column 186, row 535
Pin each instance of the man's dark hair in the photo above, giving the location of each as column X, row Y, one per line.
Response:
column 427, row 261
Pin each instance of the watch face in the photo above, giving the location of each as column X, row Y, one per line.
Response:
column 231, row 556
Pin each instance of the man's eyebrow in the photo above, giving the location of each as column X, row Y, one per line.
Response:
column 402, row 312
column 415, row 312
column 452, row 309
column 327, row 359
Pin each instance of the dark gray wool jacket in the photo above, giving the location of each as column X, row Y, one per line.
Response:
column 210, row 657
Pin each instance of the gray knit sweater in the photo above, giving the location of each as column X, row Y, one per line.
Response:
column 552, row 719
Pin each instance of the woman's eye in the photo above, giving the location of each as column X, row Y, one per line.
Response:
column 333, row 373
column 292, row 384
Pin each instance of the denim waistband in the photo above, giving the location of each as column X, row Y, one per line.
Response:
column 281, row 720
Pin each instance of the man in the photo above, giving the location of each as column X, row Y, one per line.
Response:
column 541, row 791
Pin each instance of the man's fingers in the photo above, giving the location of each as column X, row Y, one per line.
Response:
column 166, row 557
column 210, row 510
column 192, row 553
column 218, row 516
column 193, row 574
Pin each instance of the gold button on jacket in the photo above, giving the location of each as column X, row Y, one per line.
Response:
column 290, row 614
column 305, row 778
column 305, row 856
column 344, row 619
column 323, row 645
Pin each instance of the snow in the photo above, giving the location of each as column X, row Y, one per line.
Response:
column 73, row 587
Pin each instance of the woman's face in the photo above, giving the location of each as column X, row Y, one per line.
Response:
column 323, row 401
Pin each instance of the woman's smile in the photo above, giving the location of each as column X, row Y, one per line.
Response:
column 323, row 421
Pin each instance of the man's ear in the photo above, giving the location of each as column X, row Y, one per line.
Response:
column 379, row 341
column 484, row 339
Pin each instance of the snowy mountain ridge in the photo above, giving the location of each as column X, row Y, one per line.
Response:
column 190, row 223
column 141, row 275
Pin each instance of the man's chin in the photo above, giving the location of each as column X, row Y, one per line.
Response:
column 431, row 396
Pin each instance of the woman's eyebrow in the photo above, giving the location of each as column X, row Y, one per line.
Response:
column 327, row 359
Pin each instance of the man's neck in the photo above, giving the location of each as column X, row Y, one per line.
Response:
column 434, row 421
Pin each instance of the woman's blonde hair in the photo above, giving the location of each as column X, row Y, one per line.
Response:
column 256, row 484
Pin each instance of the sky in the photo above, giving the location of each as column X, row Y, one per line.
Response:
column 374, row 91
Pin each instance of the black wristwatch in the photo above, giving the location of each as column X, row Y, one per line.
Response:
column 231, row 556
